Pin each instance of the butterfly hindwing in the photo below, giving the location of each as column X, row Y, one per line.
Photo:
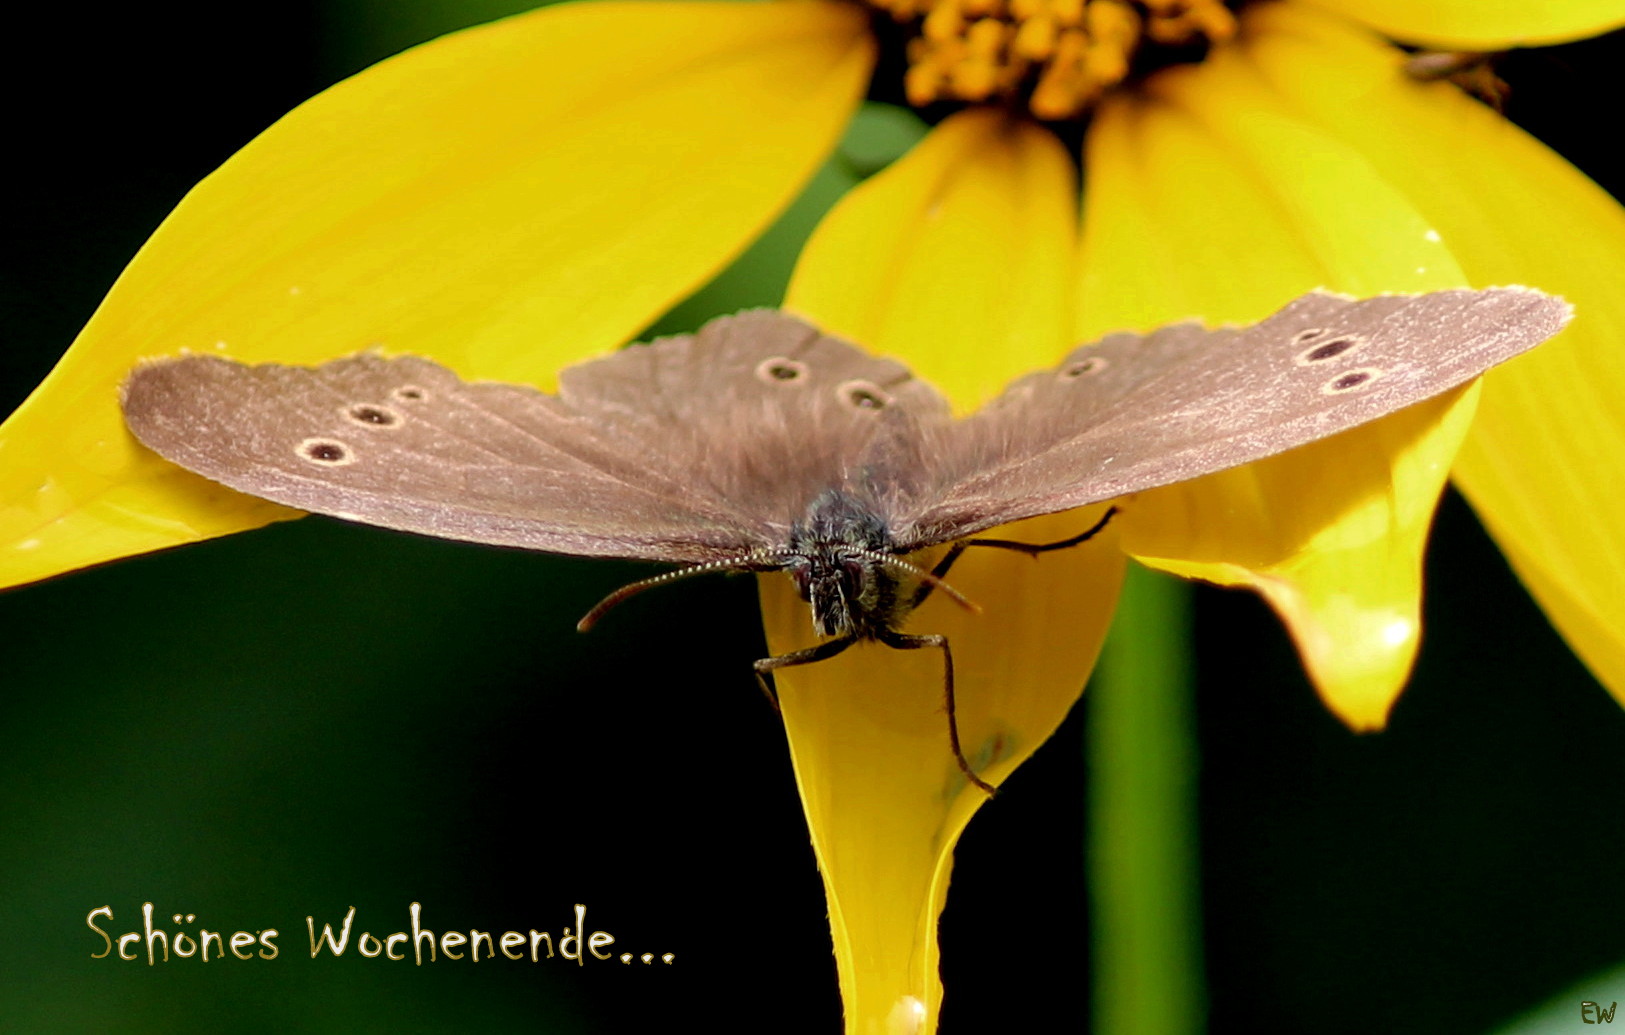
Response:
column 759, row 409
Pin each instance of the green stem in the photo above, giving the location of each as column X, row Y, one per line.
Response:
column 1144, row 869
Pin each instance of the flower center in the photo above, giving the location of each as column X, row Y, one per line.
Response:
column 1057, row 55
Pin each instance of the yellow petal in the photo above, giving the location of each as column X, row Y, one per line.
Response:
column 955, row 260
column 506, row 198
column 1543, row 465
column 869, row 740
column 951, row 259
column 1482, row 24
column 1212, row 195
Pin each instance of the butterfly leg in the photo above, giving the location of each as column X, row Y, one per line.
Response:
column 766, row 666
column 1034, row 549
column 1030, row 549
column 905, row 641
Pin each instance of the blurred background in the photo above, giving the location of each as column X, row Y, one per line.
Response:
column 316, row 716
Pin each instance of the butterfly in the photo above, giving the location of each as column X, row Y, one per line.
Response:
column 760, row 443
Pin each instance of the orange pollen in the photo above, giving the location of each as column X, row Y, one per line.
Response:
column 1059, row 55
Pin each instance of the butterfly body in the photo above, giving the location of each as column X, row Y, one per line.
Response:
column 760, row 443
column 834, row 557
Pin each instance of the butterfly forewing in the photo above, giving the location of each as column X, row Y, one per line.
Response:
column 690, row 449
column 1132, row 413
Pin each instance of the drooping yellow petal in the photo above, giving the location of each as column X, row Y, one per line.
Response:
column 1211, row 195
column 1544, row 465
column 507, row 199
column 954, row 259
column 1482, row 24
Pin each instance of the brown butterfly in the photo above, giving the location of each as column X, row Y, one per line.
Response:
column 761, row 444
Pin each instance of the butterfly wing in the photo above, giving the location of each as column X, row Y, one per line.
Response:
column 1134, row 412
column 762, row 411
column 689, row 449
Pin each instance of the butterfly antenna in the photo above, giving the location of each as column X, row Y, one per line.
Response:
column 742, row 561
column 934, row 581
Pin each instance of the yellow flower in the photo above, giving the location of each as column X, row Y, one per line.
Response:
column 519, row 196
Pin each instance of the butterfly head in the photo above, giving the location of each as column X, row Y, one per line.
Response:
column 839, row 556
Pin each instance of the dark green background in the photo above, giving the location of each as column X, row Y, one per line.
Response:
column 315, row 716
